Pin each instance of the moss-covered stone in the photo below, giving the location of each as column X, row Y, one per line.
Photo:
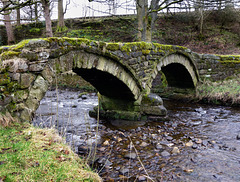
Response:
column 9, row 54
column 113, row 46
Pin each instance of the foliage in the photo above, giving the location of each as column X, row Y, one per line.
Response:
column 21, row 159
column 6, row 85
column 88, row 34
column 35, row 30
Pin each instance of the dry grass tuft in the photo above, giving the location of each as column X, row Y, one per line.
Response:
column 6, row 119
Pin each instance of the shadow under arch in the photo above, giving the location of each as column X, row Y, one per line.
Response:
column 180, row 70
column 105, row 83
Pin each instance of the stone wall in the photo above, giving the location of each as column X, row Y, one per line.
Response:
column 217, row 67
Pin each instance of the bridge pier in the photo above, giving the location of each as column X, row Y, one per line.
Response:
column 150, row 106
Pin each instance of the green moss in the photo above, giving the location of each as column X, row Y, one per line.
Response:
column 20, row 45
column 4, row 48
column 229, row 58
column 113, row 46
column 61, row 29
column 147, row 100
column 137, row 46
column 127, row 47
column 146, row 52
column 7, row 88
column 58, row 69
column 35, row 30
column 8, row 55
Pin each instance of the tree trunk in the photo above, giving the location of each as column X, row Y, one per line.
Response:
column 144, row 30
column 18, row 17
column 8, row 25
column 61, row 24
column 154, row 8
column 46, row 7
column 36, row 12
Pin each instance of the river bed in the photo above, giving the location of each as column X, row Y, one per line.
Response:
column 198, row 143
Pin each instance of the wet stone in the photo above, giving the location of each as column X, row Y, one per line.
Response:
column 165, row 153
column 169, row 138
column 205, row 143
column 105, row 162
column 195, row 146
column 82, row 150
column 198, row 141
column 189, row 144
column 143, row 144
column 238, row 137
column 142, row 178
column 159, row 146
column 131, row 155
column 195, row 123
column 175, row 150
column 124, row 170
column 84, row 97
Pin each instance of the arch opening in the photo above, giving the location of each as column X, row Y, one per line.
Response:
column 107, row 84
column 177, row 76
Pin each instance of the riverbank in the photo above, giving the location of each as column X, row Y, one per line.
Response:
column 21, row 159
column 223, row 92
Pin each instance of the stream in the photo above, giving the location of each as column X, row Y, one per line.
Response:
column 198, row 143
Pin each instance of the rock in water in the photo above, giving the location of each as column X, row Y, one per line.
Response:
column 131, row 155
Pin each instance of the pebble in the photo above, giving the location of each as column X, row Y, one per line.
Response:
column 106, row 142
column 142, row 178
column 143, row 144
column 124, row 170
column 101, row 149
column 159, row 146
column 204, row 143
column 131, row 155
column 165, row 153
column 169, row 138
column 137, row 142
column 105, row 162
column 196, row 123
column 189, row 144
column 238, row 137
column 175, row 150
column 198, row 141
column 84, row 97
column 195, row 146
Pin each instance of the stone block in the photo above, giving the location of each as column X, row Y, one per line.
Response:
column 26, row 80
column 37, row 67
column 20, row 95
column 48, row 74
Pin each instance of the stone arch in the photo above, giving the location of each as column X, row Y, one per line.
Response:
column 179, row 69
column 109, row 77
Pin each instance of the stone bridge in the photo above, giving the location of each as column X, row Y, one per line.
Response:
column 122, row 73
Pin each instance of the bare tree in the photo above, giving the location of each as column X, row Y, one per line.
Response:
column 48, row 22
column 147, row 16
column 61, row 12
column 7, row 22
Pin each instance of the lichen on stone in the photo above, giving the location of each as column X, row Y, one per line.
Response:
column 9, row 54
column 113, row 46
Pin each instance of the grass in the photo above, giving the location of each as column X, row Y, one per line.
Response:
column 223, row 92
column 34, row 154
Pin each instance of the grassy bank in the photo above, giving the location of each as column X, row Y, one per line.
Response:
column 32, row 154
column 226, row 92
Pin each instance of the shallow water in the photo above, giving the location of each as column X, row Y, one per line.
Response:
column 199, row 143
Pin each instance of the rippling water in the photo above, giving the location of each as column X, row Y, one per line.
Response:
column 199, row 143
